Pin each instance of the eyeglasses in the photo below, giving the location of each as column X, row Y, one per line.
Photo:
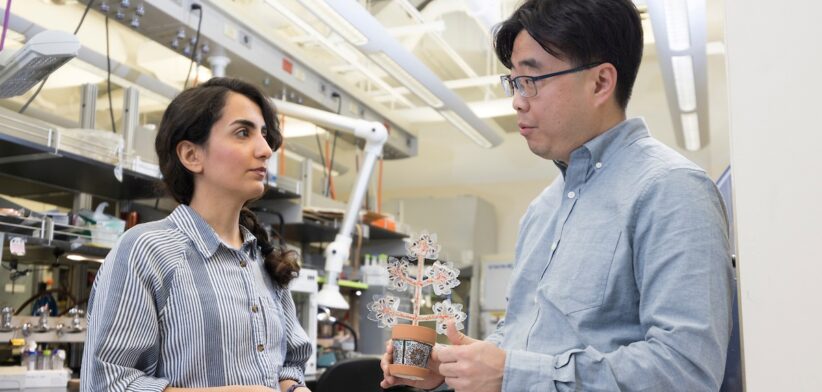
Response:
column 527, row 85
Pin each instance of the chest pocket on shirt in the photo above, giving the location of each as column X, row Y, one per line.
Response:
column 578, row 274
column 271, row 316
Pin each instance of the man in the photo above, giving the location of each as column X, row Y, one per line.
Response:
column 622, row 274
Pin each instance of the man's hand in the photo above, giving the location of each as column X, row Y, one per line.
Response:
column 470, row 364
column 434, row 380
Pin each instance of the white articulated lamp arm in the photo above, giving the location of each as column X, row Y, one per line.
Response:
column 375, row 136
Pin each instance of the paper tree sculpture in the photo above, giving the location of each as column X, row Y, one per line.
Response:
column 412, row 343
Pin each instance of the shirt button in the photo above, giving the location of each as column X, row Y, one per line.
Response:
column 598, row 165
column 554, row 246
column 571, row 195
column 242, row 263
column 254, row 308
column 260, row 347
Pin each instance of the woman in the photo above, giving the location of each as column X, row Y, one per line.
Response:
column 198, row 301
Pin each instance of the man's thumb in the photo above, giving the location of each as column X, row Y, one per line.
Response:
column 456, row 338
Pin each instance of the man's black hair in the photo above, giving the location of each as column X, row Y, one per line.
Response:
column 580, row 32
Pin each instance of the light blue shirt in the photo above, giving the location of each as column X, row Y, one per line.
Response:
column 172, row 305
column 622, row 279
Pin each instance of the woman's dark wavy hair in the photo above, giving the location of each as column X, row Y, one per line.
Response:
column 190, row 117
column 580, row 32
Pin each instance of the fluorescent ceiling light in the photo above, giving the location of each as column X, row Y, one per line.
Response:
column 338, row 48
column 76, row 257
column 39, row 57
column 690, row 130
column 323, row 12
column 465, row 128
column 399, row 73
column 676, row 23
column 684, row 79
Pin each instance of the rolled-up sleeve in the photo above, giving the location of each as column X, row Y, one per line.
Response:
column 298, row 346
column 497, row 336
column 683, row 274
column 122, row 347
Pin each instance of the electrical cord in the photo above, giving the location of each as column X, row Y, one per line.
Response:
column 5, row 25
column 43, row 83
column 322, row 155
column 108, row 81
column 198, row 7
column 351, row 331
column 333, row 146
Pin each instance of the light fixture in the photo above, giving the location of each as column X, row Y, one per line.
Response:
column 465, row 128
column 684, row 78
column 690, row 130
column 39, row 57
column 330, row 296
column 676, row 20
column 338, row 48
column 681, row 41
column 375, row 135
column 389, row 54
column 397, row 72
column 324, row 13
column 77, row 257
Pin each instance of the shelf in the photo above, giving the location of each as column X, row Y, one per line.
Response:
column 65, row 171
column 309, row 232
column 346, row 283
column 41, row 251
column 378, row 233
column 38, row 172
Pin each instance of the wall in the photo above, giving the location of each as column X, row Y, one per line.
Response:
column 510, row 200
column 774, row 58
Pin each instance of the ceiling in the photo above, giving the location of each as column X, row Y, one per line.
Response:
column 451, row 37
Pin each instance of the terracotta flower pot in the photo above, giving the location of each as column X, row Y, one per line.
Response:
column 412, row 350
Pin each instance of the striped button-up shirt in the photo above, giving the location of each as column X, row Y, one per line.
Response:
column 623, row 275
column 173, row 305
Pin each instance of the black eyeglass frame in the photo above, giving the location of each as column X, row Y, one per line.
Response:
column 513, row 83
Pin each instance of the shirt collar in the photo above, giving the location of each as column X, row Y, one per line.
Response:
column 205, row 239
column 603, row 147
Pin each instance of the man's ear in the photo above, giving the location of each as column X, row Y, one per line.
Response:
column 605, row 83
column 191, row 156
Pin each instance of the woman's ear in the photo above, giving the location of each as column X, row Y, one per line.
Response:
column 191, row 156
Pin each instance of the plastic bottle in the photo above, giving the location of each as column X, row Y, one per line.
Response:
column 29, row 357
column 39, row 358
column 46, row 360
column 58, row 359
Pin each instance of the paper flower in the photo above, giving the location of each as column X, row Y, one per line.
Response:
column 425, row 245
column 445, row 311
column 397, row 271
column 381, row 310
column 443, row 277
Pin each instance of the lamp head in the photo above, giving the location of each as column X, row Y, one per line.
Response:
column 39, row 57
column 330, row 296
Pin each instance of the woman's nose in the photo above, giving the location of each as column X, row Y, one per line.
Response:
column 262, row 148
